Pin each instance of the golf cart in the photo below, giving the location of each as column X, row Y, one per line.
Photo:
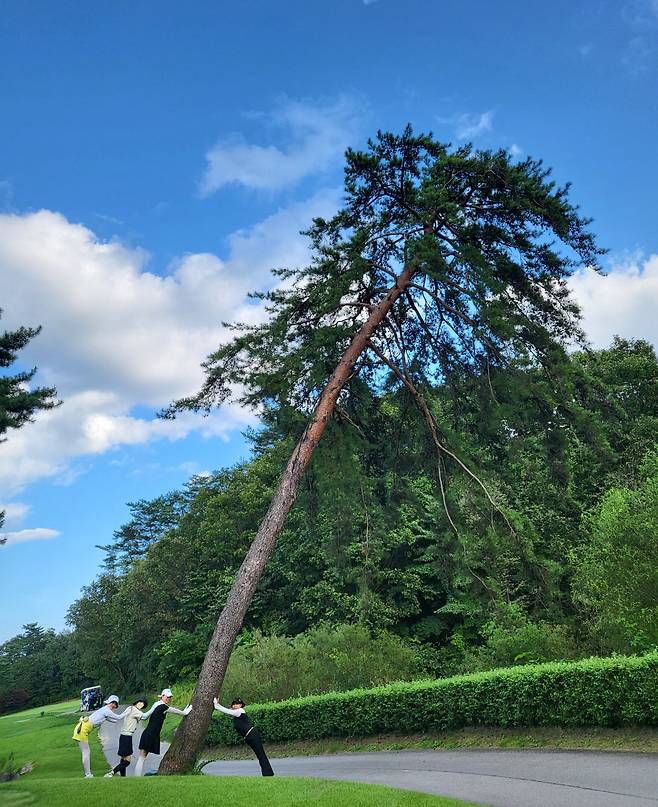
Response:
column 91, row 698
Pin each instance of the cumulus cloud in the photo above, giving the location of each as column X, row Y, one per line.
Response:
column 624, row 302
column 318, row 134
column 117, row 336
column 21, row 536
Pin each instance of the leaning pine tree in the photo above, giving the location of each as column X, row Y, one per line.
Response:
column 440, row 264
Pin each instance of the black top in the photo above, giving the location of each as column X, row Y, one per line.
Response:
column 157, row 719
column 242, row 724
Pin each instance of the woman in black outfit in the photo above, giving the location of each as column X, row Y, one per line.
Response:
column 149, row 742
column 247, row 731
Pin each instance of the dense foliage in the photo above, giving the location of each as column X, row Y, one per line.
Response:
column 593, row 692
column 323, row 659
column 368, row 541
column 38, row 666
column 368, row 544
column 617, row 570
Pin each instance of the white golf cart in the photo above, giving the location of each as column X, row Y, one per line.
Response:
column 91, row 698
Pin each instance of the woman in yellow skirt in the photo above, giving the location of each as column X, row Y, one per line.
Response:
column 86, row 725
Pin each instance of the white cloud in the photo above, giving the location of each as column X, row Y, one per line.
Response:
column 624, row 302
column 14, row 512
column 318, row 136
column 515, row 150
column 21, row 536
column 467, row 126
column 116, row 336
column 474, row 125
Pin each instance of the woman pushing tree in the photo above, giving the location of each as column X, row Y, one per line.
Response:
column 249, row 733
column 149, row 742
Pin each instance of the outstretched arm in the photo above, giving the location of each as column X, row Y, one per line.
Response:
column 175, row 711
column 112, row 717
column 146, row 715
column 232, row 712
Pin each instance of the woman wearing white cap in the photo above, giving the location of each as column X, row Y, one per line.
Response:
column 86, row 725
column 149, row 742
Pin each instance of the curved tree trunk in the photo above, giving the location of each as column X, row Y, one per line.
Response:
column 188, row 739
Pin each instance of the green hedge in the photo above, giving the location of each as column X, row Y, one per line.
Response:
column 595, row 692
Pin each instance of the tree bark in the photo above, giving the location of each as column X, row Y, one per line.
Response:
column 182, row 753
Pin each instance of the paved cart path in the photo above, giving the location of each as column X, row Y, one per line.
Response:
column 108, row 733
column 502, row 778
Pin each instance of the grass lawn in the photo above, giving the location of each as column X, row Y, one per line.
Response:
column 174, row 791
column 57, row 781
column 44, row 740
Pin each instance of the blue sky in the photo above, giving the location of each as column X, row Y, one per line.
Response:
column 158, row 158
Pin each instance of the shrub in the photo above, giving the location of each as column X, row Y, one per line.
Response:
column 593, row 692
column 324, row 659
column 9, row 769
column 513, row 638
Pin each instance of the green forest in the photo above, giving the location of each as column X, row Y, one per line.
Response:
column 370, row 581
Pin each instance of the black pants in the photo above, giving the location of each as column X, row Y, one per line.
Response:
column 121, row 767
column 254, row 741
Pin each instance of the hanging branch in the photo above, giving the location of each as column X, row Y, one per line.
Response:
column 431, row 424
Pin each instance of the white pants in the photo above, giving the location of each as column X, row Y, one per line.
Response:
column 84, row 750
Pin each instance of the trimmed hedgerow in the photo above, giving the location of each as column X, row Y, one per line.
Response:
column 594, row 692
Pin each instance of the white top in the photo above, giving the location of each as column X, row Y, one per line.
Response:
column 232, row 712
column 131, row 720
column 105, row 713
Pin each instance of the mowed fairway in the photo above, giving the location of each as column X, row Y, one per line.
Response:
column 58, row 782
column 45, row 741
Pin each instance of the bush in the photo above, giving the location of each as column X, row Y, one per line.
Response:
column 513, row 638
column 593, row 692
column 324, row 659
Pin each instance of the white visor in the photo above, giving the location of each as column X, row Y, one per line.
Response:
column 113, row 699
column 166, row 693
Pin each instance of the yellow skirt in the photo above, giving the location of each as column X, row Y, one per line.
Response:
column 82, row 730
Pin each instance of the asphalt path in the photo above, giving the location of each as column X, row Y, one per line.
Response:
column 501, row 778
column 108, row 734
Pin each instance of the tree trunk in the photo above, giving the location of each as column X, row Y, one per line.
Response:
column 182, row 753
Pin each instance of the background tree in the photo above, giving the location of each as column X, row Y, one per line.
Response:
column 18, row 402
column 38, row 666
column 369, row 543
column 616, row 577
column 440, row 264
